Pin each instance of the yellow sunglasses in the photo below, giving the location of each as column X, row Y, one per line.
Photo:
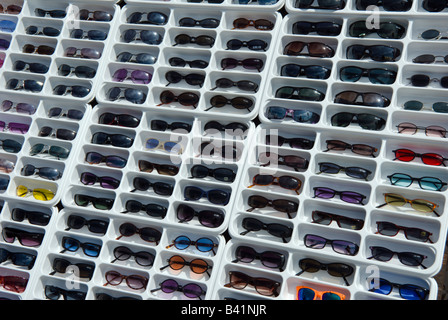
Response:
column 38, row 194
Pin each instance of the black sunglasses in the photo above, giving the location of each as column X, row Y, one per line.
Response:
column 274, row 229
column 151, row 209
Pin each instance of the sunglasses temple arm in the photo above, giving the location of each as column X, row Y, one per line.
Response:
column 209, row 108
column 169, row 246
column 435, row 212
column 345, row 280
column 382, row 205
column 164, row 267
column 299, row 273
column 244, row 232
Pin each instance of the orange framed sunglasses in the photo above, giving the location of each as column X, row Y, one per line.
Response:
column 398, row 200
column 307, row 293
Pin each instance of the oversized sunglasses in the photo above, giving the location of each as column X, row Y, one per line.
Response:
column 38, row 193
column 159, row 188
column 116, row 140
column 375, row 75
column 34, row 217
column 54, row 293
column 96, row 15
column 207, row 218
column 25, row 108
column 83, row 270
column 90, row 179
column 123, row 120
column 77, row 222
column 220, row 174
column 136, row 96
column 73, row 245
column 165, row 169
column 27, row 239
column 145, row 36
column 14, row 283
column 20, row 259
column 55, row 151
column 43, row 172
column 147, row 234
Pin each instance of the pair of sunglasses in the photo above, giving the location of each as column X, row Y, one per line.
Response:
column 368, row 99
column 432, row 159
column 160, row 188
column 381, row 53
column 398, row 200
column 353, row 172
column 180, row 62
column 186, row 98
column 80, row 71
column 264, row 286
column 133, row 281
column 255, row 44
column 207, row 218
column 361, row 149
column 141, row 58
column 322, row 28
column 339, row 246
column 20, row 259
column 295, row 143
column 136, row 96
column 116, row 140
column 406, row 291
column 275, row 229
column 151, row 209
column 142, row 258
column 269, row 259
column 190, row 290
column 208, row 23
column 122, row 120
column 153, row 17
column 177, row 126
column 42, row 49
column 147, row 234
column 43, row 172
column 390, row 229
column 14, row 127
column 34, row 217
column 75, row 91
column 73, row 245
column 202, row 244
column 83, row 270
column 434, row 5
column 34, row 67
column 14, row 283
column 77, row 222
column 281, row 205
column 295, row 162
column 202, row 40
column 86, row 53
column 423, row 80
column 168, row 146
column 307, row 293
column 146, row 36
column 340, row 270
column 165, row 169
column 98, row 203
column 193, row 79
column 109, row 160
column 346, row 196
column 375, row 75
column 285, row 182
column 55, row 293
column 388, row 5
column 25, row 108
column 414, row 105
column 430, row 131
column 215, row 196
column 96, row 35
column 60, row 133
column 26, row 239
column 309, row 71
column 315, row 49
column 232, row 128
column 198, row 266
column 89, row 179
column 259, row 24
column 407, row 258
column 27, row 85
column 299, row 93
column 136, row 76
column 386, row 30
column 220, row 174
column 425, row 183
column 240, row 103
column 326, row 218
column 249, row 63
column 38, row 194
column 366, row 121
column 55, row 151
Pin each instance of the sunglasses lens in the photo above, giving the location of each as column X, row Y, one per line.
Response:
column 394, row 200
column 434, row 5
column 404, row 155
column 412, row 292
column 204, row 244
column 428, row 183
column 401, row 180
column 306, row 294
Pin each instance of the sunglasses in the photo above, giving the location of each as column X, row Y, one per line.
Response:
column 61, row 133
column 326, row 218
column 80, row 71
column 40, row 68
column 215, row 196
column 83, row 270
column 52, row 13
column 263, row 286
column 237, row 102
column 98, row 203
column 340, row 270
column 142, row 58
column 137, row 76
column 198, row 266
column 161, row 125
column 390, row 229
column 366, row 121
column 13, row 283
column 432, row 34
column 346, row 196
column 151, row 209
column 209, row 23
column 429, row 58
column 116, row 140
column 406, row 291
column 368, row 99
column 249, row 63
column 315, row 49
column 97, row 35
column 361, row 149
column 292, row 161
column 338, row 246
column 73, row 245
column 354, row 172
column 147, row 234
column 46, row 31
column 105, row 296
column 432, row 159
column 4, row 182
column 136, row 96
column 299, row 93
column 307, row 293
column 43, row 172
column 281, row 205
column 388, row 5
column 202, row 244
column 386, row 30
column 42, row 49
column 20, row 259
column 207, row 218
column 259, row 24
column 54, row 293
column 302, row 116
column 190, row 290
column 142, row 258
column 77, row 222
column 232, row 128
column 103, row 16
column 55, row 151
column 202, row 40
column 28, row 85
column 379, row 53
column 274, row 229
column 7, row 26
column 154, row 17
column 425, row 183
column 230, row 152
column 85, row 53
column 324, row 28
column 165, row 169
column 11, row 146
column 11, row 9
column 441, row 107
column 75, row 91
column 422, row 80
column 145, row 36
column 407, row 258
column 110, row 161
column 220, row 174
column 133, row 281
column 193, row 79
column 255, row 44
column 38, row 194
column 397, row 200
column 14, row 127
column 123, row 120
column 27, row 239
column 244, row 85
column 269, row 259
column 310, row 71
column 434, row 5
column 375, row 75
column 89, row 179
column 431, row 131
column 19, row 107
column 160, row 188
column 296, row 143
column 186, row 98
column 179, row 62
column 168, row 146
column 285, row 182
column 34, row 217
